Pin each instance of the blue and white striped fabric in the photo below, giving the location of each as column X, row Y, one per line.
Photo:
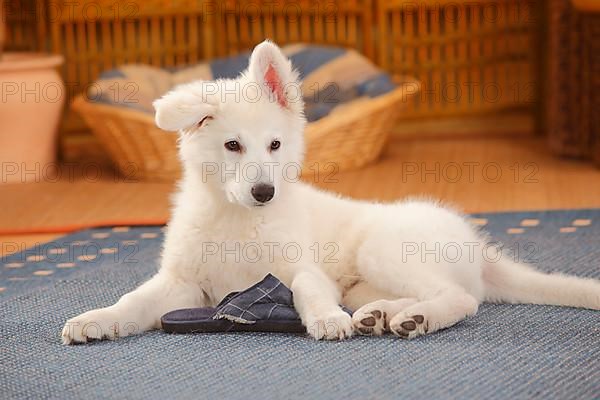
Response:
column 330, row 76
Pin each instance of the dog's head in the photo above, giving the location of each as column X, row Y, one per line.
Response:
column 243, row 135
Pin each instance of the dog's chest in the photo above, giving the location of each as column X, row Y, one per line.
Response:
column 247, row 232
column 236, row 254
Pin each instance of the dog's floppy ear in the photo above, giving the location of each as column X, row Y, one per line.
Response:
column 274, row 73
column 185, row 107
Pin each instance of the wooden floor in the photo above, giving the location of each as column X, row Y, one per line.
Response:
column 475, row 174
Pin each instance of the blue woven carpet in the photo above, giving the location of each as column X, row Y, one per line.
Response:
column 506, row 351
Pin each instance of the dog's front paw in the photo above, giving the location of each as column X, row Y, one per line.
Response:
column 332, row 326
column 97, row 324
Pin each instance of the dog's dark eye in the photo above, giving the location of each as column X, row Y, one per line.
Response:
column 233, row 145
column 275, row 144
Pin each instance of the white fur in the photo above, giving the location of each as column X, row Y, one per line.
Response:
column 391, row 262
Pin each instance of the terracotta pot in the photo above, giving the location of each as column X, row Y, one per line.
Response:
column 32, row 96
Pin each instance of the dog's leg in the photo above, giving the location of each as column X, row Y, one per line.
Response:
column 374, row 308
column 425, row 302
column 441, row 302
column 136, row 312
column 411, row 317
column 440, row 311
column 317, row 299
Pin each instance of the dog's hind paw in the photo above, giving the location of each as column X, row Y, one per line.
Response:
column 370, row 322
column 374, row 318
column 409, row 327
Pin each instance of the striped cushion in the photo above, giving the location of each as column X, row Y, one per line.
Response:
column 330, row 76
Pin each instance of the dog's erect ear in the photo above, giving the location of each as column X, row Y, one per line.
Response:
column 273, row 72
column 185, row 107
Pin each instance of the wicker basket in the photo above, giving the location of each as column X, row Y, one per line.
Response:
column 573, row 100
column 345, row 139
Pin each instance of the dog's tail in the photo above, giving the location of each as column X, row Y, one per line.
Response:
column 510, row 282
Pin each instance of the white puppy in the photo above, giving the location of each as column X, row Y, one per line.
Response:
column 409, row 267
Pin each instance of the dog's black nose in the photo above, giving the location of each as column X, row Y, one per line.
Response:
column 262, row 192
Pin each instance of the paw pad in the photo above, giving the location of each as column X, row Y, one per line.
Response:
column 370, row 323
column 409, row 327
